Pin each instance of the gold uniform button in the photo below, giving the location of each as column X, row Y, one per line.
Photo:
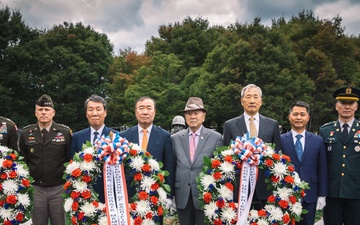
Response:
column 344, row 156
column 342, row 174
column 344, row 147
column 343, row 165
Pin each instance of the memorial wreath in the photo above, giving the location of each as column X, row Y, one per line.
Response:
column 16, row 190
column 113, row 153
column 246, row 154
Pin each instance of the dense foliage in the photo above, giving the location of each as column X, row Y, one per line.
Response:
column 304, row 58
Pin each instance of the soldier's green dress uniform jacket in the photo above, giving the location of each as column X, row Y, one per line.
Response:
column 46, row 158
column 343, row 157
column 8, row 133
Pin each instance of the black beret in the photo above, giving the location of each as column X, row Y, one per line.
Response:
column 45, row 101
column 347, row 94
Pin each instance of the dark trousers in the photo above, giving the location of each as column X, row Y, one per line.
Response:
column 308, row 218
column 340, row 211
column 190, row 215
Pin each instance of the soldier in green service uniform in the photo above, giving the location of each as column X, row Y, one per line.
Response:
column 8, row 133
column 342, row 143
column 45, row 147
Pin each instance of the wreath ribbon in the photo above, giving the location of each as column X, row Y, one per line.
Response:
column 113, row 152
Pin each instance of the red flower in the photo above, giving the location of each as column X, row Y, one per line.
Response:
column 75, row 194
column 3, row 176
column 291, row 168
column 75, row 206
column 286, row 218
column 7, row 163
column 268, row 162
column 13, row 156
column 283, row 204
column 217, row 175
column 133, row 152
column 19, row 217
column 154, row 186
column 276, row 157
column 95, row 203
column 88, row 157
column 86, row 178
column 11, row 199
column 302, row 193
column 149, row 215
column 154, row 200
column 143, row 195
column 7, row 222
column 25, row 182
column 287, row 158
column 228, row 158
column 292, row 199
column 1, row 187
column 218, row 221
column 161, row 177
column 12, row 174
column 86, row 194
column 81, row 216
column 160, row 211
column 146, row 168
column 133, row 206
column 207, row 197
column 220, row 203
column 215, row 163
column 137, row 221
column 274, row 179
column 262, row 213
column 232, row 205
column 289, row 179
column 229, row 186
column 76, row 172
column 138, row 177
column 271, row 199
column 2, row 202
column 74, row 220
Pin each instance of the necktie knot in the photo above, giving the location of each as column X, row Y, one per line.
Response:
column 298, row 136
column 44, row 131
column 95, row 136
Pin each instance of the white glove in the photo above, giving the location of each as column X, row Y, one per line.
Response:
column 168, row 203
column 321, row 203
column 173, row 204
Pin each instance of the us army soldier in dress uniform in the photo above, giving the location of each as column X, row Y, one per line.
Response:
column 342, row 143
column 45, row 147
column 8, row 133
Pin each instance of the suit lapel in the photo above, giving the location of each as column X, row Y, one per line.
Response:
column 152, row 138
column 307, row 147
column 241, row 126
column 185, row 144
column 262, row 126
column 290, row 143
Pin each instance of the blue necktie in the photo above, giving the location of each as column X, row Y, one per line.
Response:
column 298, row 146
column 95, row 136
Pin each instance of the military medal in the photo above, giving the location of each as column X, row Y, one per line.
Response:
column 32, row 150
column 331, row 133
column 357, row 148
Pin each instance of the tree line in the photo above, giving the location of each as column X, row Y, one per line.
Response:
column 305, row 58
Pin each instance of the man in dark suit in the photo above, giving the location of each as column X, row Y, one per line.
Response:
column 307, row 152
column 8, row 133
column 342, row 143
column 190, row 161
column 265, row 128
column 96, row 110
column 151, row 138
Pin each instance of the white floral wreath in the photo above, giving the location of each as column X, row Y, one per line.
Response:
column 216, row 187
column 16, row 190
column 81, row 201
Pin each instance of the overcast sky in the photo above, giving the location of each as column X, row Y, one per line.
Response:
column 130, row 23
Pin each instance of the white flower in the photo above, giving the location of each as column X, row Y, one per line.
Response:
column 209, row 210
column 207, row 180
column 228, row 214
column 275, row 212
column 162, row 194
column 136, row 147
column 225, row 192
column 80, row 186
column 296, row 208
column 279, row 169
column 72, row 166
column 103, row 220
column 88, row 166
column 154, row 164
column 101, row 206
column 269, row 152
column 1, row 162
column 67, row 204
column 137, row 162
column 148, row 222
column 6, row 214
column 262, row 222
column 284, row 193
column 146, row 183
column 253, row 214
column 297, row 179
column 10, row 187
column 227, row 152
column 22, row 171
column 4, row 150
column 142, row 207
column 227, row 167
column 89, row 150
column 24, row 199
column 88, row 208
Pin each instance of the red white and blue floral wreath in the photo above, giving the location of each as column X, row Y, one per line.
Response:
column 216, row 185
column 113, row 153
column 16, row 191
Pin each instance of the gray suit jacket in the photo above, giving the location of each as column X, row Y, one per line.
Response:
column 187, row 171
